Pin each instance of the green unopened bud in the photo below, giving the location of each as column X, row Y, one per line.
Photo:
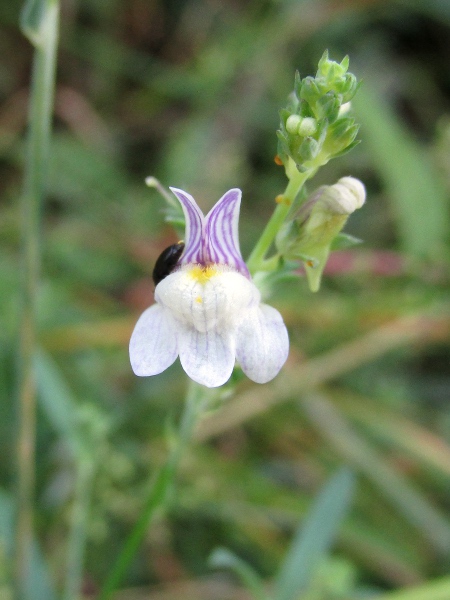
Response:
column 327, row 107
column 309, row 149
column 348, row 87
column 331, row 70
column 341, row 136
column 309, row 91
column 309, row 234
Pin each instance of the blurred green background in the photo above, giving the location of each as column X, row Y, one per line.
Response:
column 189, row 91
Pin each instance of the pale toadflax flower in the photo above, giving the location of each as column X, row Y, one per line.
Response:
column 207, row 310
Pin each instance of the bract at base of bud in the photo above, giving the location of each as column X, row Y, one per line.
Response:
column 310, row 232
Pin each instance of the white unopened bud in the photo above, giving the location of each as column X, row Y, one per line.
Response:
column 317, row 222
column 292, row 123
column 308, row 126
column 356, row 187
column 344, row 197
column 339, row 199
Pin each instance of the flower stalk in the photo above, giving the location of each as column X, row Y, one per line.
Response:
column 161, row 487
column 40, row 24
column 256, row 261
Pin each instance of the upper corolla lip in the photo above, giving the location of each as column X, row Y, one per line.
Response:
column 213, row 239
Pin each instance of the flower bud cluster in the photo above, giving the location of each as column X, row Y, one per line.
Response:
column 309, row 233
column 315, row 125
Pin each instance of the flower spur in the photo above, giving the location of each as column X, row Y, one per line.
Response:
column 207, row 310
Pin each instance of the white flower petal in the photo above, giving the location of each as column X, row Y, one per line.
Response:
column 153, row 344
column 207, row 357
column 262, row 343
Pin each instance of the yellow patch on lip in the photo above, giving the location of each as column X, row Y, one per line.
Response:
column 202, row 274
column 199, row 299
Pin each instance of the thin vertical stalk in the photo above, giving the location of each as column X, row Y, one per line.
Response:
column 160, row 490
column 78, row 530
column 255, row 261
column 41, row 105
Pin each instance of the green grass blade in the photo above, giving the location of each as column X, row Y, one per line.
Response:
column 314, row 537
column 392, row 483
column 419, row 200
column 222, row 558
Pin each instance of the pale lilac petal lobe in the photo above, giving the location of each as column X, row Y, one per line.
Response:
column 262, row 344
column 207, row 357
column 221, row 240
column 193, row 251
column 153, row 344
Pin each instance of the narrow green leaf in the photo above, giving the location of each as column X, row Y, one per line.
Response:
column 38, row 585
column 58, row 402
column 414, row 187
column 314, row 537
column 344, row 240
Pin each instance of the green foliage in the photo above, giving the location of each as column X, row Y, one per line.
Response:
column 419, row 198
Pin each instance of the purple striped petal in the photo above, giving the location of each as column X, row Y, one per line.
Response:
column 221, row 238
column 193, row 251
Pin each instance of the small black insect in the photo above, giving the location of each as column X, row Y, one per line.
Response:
column 167, row 261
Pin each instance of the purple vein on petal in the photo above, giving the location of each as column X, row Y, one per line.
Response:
column 221, row 243
column 193, row 252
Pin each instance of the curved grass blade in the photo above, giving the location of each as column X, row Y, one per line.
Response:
column 408, row 499
column 222, row 558
column 414, row 187
column 314, row 537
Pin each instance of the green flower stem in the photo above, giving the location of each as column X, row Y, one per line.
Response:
column 78, row 529
column 41, row 108
column 161, row 488
column 256, row 260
